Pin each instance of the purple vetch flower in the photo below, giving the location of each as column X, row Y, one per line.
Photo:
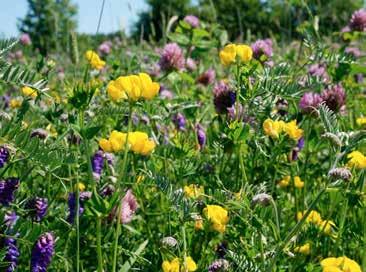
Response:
column 7, row 189
column 12, row 254
column 97, row 162
column 4, row 156
column 129, row 207
column 353, row 51
column 110, row 158
column 262, row 49
column 179, row 121
column 38, row 208
column 358, row 20
column 334, row 97
column 172, row 57
column 10, row 218
column 25, row 39
column 84, row 196
column 224, row 97
column 191, row 64
column 309, row 102
column 219, row 265
column 192, row 20
column 42, row 253
column 299, row 146
column 236, row 112
column 201, row 136
column 207, row 77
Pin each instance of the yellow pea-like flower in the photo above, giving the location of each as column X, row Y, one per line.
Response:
column 28, row 91
column 94, row 60
column 244, row 52
column 228, row 54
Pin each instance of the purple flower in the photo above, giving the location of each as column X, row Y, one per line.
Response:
column 207, row 77
column 353, row 51
column 110, row 158
column 309, row 102
column 38, row 208
column 334, row 97
column 97, row 162
column 179, row 121
column 172, row 57
column 25, row 39
column 72, row 204
column 191, row 64
column 262, row 49
column 12, row 254
column 219, row 265
column 105, row 48
column 192, row 20
column 165, row 93
column 224, row 97
column 40, row 133
column 297, row 149
column 201, row 136
column 129, row 207
column 108, row 190
column 7, row 189
column 10, row 218
column 358, row 20
column 4, row 156
column 317, row 70
column 42, row 253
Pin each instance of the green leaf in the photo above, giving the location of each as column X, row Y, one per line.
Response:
column 128, row 265
column 90, row 132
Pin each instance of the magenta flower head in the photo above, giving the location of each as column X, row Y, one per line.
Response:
column 358, row 20
column 4, row 156
column 192, row 20
column 191, row 64
column 262, row 49
column 309, row 102
column 224, row 97
column 37, row 208
column 25, row 39
column 172, row 57
column 7, row 190
column 201, row 137
column 129, row 207
column 207, row 77
column 334, row 97
column 317, row 70
column 353, row 51
column 42, row 253
column 105, row 48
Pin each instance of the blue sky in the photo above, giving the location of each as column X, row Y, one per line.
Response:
column 117, row 14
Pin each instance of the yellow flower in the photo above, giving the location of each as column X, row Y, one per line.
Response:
column 94, row 60
column 357, row 160
column 193, row 191
column 172, row 266
column 139, row 179
column 273, row 128
column 80, row 185
column 117, row 140
column 190, row 264
column 304, row 249
column 140, row 143
column 105, row 145
column 327, row 226
column 27, row 91
column 133, row 87
column 340, row 264
column 15, row 103
column 314, row 217
column 293, row 131
column 218, row 217
column 284, row 182
column 228, row 54
column 298, row 183
column 361, row 121
column 244, row 52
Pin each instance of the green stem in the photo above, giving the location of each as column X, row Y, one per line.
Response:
column 99, row 244
column 119, row 210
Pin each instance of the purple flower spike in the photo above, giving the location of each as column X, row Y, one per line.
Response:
column 201, row 136
column 358, row 20
column 72, row 204
column 129, row 207
column 207, row 77
column 172, row 57
column 192, row 20
column 7, row 189
column 179, row 121
column 10, row 218
column 38, row 208
column 97, row 164
column 12, row 254
column 42, row 252
column 4, row 156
